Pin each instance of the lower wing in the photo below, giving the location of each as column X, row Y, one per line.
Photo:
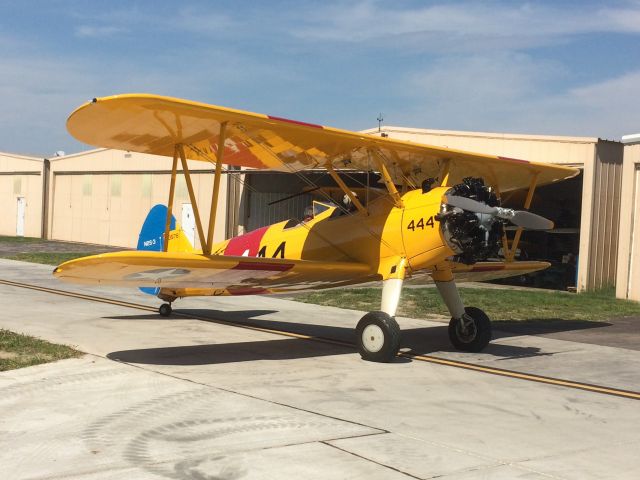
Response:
column 483, row 271
column 216, row 275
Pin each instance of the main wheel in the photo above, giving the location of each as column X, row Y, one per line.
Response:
column 165, row 309
column 378, row 337
column 472, row 332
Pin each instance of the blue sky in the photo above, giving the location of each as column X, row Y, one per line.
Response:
column 561, row 68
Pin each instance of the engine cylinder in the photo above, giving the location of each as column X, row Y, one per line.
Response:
column 474, row 237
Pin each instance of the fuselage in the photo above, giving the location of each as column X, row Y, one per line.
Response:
column 377, row 239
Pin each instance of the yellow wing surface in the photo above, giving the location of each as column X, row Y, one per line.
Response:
column 155, row 124
column 483, row 271
column 213, row 275
column 231, row 275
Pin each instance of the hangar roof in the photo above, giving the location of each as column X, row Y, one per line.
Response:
column 562, row 150
column 496, row 135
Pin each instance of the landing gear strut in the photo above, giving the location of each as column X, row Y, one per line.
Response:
column 165, row 309
column 470, row 327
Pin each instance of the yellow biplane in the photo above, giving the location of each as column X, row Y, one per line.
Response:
column 437, row 214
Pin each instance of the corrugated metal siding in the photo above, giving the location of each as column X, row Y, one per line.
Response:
column 605, row 210
column 628, row 262
column 633, row 289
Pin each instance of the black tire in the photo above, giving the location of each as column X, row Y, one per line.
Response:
column 478, row 334
column 383, row 339
column 165, row 309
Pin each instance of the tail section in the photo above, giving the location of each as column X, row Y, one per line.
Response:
column 151, row 237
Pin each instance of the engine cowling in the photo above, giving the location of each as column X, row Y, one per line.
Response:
column 474, row 237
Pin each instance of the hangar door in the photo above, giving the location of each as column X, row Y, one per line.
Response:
column 80, row 209
column 634, row 267
column 108, row 208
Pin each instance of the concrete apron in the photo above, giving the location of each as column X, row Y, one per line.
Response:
column 201, row 400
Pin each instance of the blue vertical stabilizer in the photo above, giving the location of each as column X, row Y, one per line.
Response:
column 151, row 235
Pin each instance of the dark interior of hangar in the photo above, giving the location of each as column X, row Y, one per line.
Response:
column 271, row 197
column 562, row 203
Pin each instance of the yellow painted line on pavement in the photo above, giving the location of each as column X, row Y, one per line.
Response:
column 423, row 358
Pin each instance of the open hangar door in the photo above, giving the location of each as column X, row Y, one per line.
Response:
column 562, row 203
column 272, row 197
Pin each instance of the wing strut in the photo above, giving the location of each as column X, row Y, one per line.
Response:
column 172, row 191
column 346, row 189
column 391, row 187
column 510, row 254
column 216, row 188
column 444, row 173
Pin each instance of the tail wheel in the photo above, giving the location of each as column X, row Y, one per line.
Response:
column 472, row 332
column 378, row 337
column 165, row 309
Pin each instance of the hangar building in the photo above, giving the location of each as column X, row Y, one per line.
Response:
column 21, row 184
column 586, row 209
column 628, row 278
column 99, row 196
column 102, row 196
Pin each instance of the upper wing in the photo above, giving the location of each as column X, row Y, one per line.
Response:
column 228, row 274
column 155, row 124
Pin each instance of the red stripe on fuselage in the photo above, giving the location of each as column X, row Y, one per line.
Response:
column 248, row 242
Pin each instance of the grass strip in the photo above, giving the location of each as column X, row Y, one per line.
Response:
column 7, row 239
column 47, row 258
column 499, row 304
column 19, row 351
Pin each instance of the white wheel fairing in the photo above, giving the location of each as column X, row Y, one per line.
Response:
column 373, row 338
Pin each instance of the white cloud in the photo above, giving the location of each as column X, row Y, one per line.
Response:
column 132, row 18
column 39, row 92
column 464, row 25
column 91, row 31
column 513, row 93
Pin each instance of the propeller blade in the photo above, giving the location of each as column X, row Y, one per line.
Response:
column 521, row 218
column 531, row 221
column 470, row 205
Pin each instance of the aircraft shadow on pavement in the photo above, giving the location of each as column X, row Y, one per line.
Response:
column 218, row 353
column 542, row 326
column 427, row 340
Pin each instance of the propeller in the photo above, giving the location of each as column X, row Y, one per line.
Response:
column 520, row 218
